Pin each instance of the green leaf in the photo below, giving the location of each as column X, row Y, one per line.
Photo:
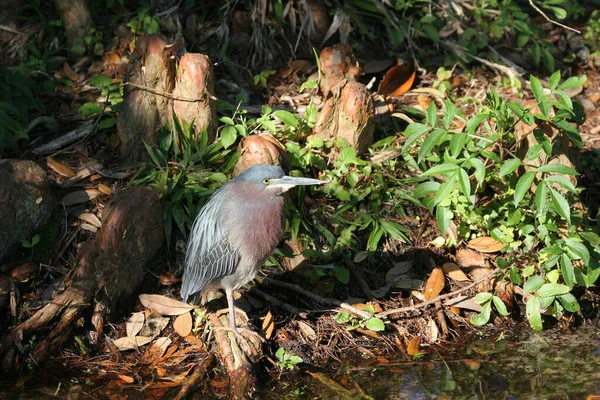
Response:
column 579, row 249
column 429, row 143
column 431, row 114
column 560, row 204
column 523, row 185
column 446, row 189
column 483, row 297
column 554, row 80
column 591, row 237
column 484, row 316
column 376, row 325
column 414, row 131
column 443, row 217
column 569, row 302
column 552, row 289
column 533, row 313
column 571, row 131
column 342, row 274
column 573, row 82
column 533, row 283
column 522, row 40
column 347, row 155
column 536, row 88
column 449, row 113
column 479, row 169
column 557, row 169
column 431, row 32
column 500, row 306
column 286, row 117
column 568, row 272
column 442, row 169
column 89, row 108
column 509, row 166
column 562, row 181
column 465, row 184
column 541, row 199
column 457, row 144
column 474, row 123
column 228, row 136
column 100, row 81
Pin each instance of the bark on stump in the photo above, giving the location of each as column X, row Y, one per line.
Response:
column 348, row 112
column 27, row 206
column 116, row 261
column 155, row 94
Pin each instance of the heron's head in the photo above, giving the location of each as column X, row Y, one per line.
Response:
column 272, row 180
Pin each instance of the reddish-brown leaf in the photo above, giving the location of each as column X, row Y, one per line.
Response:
column 412, row 346
column 183, row 324
column 486, row 244
column 435, row 284
column 59, row 168
column 126, row 379
column 69, row 73
column 105, row 189
column 268, row 325
column 398, row 80
column 454, row 272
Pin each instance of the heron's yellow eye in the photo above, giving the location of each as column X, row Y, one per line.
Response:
column 266, row 181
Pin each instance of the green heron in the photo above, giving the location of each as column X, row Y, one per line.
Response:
column 236, row 231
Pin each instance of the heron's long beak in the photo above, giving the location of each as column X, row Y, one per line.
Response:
column 288, row 182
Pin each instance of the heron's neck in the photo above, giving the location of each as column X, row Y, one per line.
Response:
column 255, row 221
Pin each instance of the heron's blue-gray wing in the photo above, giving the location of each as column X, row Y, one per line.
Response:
column 210, row 254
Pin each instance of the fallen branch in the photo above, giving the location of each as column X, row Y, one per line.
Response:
column 278, row 303
column 432, row 301
column 200, row 371
column 79, row 133
column 539, row 10
column 317, row 298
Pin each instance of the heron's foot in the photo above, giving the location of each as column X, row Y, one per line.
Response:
column 238, row 311
column 238, row 332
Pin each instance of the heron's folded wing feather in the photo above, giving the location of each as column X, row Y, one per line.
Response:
column 209, row 253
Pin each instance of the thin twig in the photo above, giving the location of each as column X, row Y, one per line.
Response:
column 432, row 301
column 278, row 303
column 170, row 96
column 550, row 20
column 317, row 298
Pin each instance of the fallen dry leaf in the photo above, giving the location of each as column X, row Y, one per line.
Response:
column 398, row 80
column 454, row 272
column 156, row 350
column 134, row 324
column 268, row 325
column 126, row 379
column 88, row 227
column 362, row 306
column 466, row 302
column 470, row 258
column 80, row 196
column 69, row 73
column 105, row 189
column 59, row 168
column 424, row 101
column 367, row 332
column 412, row 346
column 90, row 218
column 154, row 325
column 435, row 284
column 164, row 305
column 183, row 324
column 307, row 330
column 167, row 278
column 194, row 341
column 131, row 342
column 486, row 244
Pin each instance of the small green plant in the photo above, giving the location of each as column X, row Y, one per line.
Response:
column 30, row 244
column 113, row 95
column 286, row 360
column 486, row 300
column 261, row 79
column 144, row 23
column 373, row 324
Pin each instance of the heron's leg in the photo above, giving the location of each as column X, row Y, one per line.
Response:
column 229, row 295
